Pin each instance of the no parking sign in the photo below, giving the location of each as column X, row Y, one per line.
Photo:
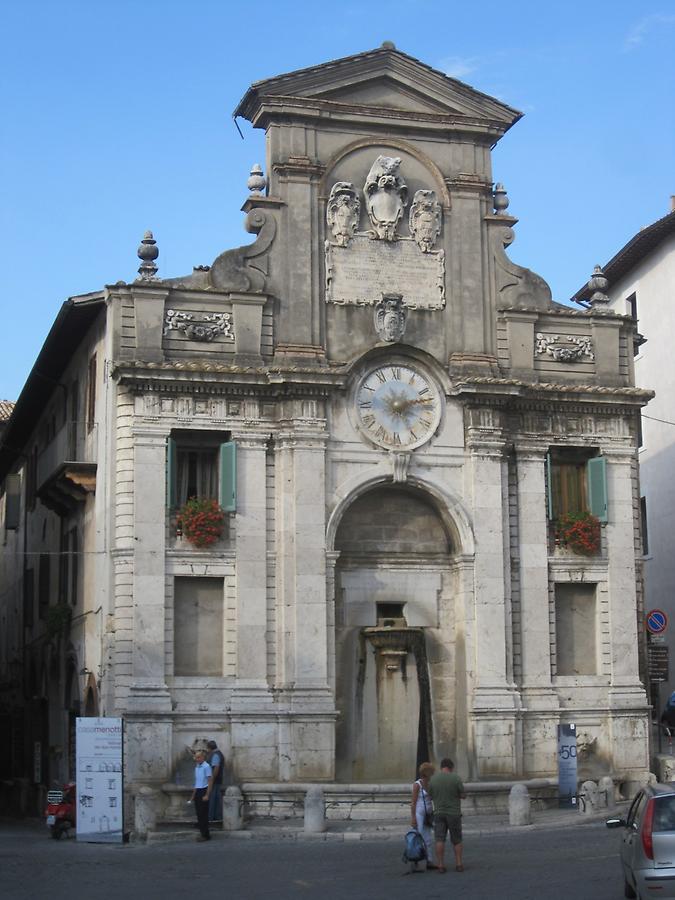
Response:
column 657, row 621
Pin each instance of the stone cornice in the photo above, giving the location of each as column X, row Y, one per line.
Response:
column 375, row 118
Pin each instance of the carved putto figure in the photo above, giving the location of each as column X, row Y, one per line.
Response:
column 425, row 219
column 342, row 212
column 390, row 318
column 386, row 194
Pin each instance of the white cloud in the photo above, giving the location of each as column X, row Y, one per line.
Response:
column 459, row 67
column 640, row 30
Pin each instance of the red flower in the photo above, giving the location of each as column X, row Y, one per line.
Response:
column 201, row 521
column 580, row 532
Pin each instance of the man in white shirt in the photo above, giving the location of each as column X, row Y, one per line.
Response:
column 201, row 793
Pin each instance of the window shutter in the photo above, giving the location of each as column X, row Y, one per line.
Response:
column 596, row 473
column 12, row 501
column 227, row 494
column 549, row 487
column 170, row 473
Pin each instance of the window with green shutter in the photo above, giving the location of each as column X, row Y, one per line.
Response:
column 576, row 481
column 201, row 464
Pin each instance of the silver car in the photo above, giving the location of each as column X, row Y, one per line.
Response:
column 648, row 843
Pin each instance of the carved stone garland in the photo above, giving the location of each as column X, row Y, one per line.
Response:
column 564, row 348
column 205, row 329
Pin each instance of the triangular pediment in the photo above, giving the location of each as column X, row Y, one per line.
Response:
column 384, row 79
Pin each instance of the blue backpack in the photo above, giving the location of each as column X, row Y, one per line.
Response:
column 415, row 849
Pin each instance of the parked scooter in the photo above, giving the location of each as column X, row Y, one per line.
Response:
column 61, row 810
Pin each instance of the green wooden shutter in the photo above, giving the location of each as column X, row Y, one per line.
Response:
column 170, row 473
column 549, row 487
column 227, row 494
column 596, row 474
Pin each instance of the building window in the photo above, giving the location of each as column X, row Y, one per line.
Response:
column 91, row 393
column 198, row 626
column 576, row 482
column 643, row 526
column 31, row 478
column 12, row 502
column 201, row 464
column 43, row 584
column 631, row 305
column 28, row 597
column 575, row 629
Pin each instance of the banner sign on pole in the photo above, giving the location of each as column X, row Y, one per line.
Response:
column 100, row 780
column 567, row 766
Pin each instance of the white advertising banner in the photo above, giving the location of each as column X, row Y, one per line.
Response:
column 99, row 780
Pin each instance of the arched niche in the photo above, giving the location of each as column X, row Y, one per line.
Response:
column 394, row 632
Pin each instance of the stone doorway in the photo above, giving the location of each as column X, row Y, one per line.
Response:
column 394, row 634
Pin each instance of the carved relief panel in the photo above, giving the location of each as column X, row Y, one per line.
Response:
column 368, row 267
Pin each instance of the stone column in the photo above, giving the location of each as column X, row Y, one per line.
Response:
column 148, row 692
column 494, row 698
column 301, row 558
column 629, row 719
column 302, row 669
column 534, row 600
column 251, row 561
column 295, row 176
column 539, row 699
column 620, row 539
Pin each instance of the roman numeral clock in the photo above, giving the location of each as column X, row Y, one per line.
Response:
column 398, row 407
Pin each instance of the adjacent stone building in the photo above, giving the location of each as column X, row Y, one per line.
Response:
column 395, row 419
column 641, row 279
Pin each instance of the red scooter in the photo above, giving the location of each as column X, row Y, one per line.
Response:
column 61, row 810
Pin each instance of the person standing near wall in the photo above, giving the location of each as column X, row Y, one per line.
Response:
column 215, row 760
column 201, row 793
column 421, row 810
column 447, row 792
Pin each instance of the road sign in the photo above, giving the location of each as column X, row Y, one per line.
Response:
column 657, row 621
column 657, row 662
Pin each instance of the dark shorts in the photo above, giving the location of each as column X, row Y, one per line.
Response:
column 444, row 824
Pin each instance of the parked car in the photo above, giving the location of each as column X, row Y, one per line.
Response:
column 648, row 843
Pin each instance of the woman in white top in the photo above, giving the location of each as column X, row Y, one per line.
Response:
column 421, row 810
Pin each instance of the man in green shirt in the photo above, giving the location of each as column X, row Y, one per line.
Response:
column 447, row 792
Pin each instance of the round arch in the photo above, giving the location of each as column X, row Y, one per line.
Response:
column 448, row 507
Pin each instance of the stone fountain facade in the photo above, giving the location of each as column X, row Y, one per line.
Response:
column 397, row 394
column 394, row 386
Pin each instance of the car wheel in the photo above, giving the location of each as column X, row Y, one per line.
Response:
column 628, row 891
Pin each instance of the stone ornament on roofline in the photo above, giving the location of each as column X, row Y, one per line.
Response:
column 147, row 252
column 564, row 348
column 598, row 283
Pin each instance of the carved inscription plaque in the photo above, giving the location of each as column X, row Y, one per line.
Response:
column 362, row 272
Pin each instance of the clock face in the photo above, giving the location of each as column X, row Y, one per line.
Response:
column 398, row 407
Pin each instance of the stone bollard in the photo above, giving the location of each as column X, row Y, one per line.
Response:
column 606, row 792
column 519, row 805
column 315, row 810
column 233, row 809
column 589, row 795
column 145, row 810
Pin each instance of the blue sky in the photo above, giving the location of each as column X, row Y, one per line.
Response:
column 116, row 117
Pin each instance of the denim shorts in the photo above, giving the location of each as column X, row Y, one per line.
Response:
column 444, row 824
